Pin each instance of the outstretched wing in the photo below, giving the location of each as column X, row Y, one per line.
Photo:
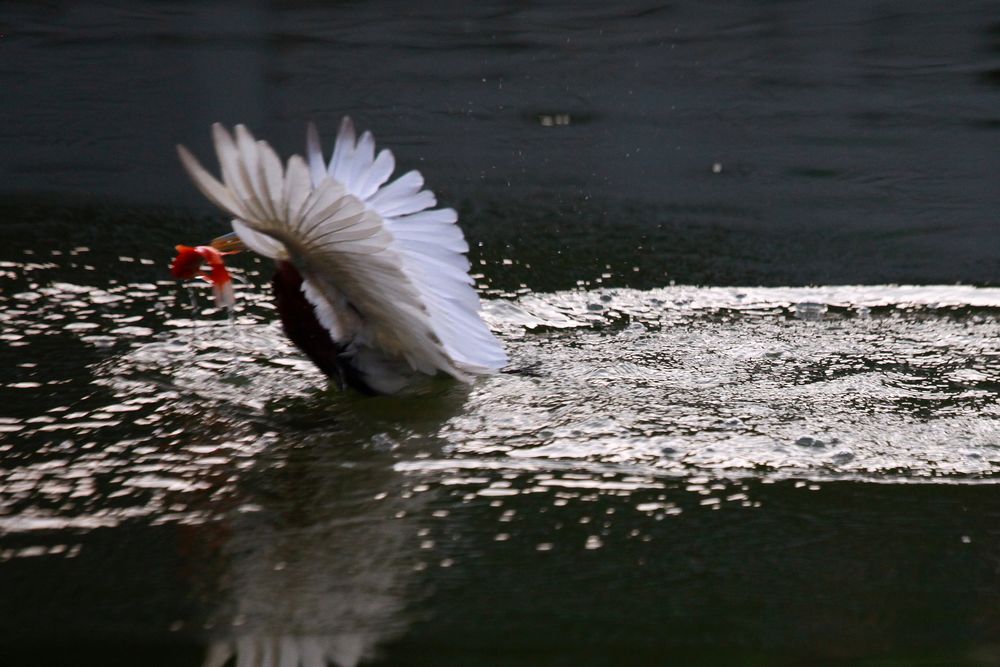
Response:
column 342, row 244
column 429, row 244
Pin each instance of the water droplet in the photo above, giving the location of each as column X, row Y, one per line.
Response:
column 810, row 310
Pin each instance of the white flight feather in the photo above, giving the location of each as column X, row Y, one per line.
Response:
column 434, row 260
column 355, row 239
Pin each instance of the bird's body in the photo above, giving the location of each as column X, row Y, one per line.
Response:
column 372, row 283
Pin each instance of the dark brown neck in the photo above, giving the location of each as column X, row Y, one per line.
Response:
column 298, row 319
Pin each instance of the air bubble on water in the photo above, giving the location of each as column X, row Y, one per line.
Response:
column 842, row 457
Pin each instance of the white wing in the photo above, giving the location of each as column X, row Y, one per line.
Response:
column 398, row 265
column 429, row 243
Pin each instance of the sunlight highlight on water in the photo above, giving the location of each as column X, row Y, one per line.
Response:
column 608, row 392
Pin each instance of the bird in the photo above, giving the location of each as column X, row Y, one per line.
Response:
column 371, row 281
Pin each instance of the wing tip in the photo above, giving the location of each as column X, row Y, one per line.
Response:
column 242, row 133
column 347, row 131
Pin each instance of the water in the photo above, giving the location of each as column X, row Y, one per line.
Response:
column 686, row 462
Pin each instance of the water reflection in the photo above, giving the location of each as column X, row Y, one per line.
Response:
column 319, row 561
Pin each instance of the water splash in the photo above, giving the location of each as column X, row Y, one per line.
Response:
column 882, row 383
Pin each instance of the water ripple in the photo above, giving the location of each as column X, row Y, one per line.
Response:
column 619, row 388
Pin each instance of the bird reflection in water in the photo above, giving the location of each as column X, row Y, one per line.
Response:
column 320, row 574
column 323, row 566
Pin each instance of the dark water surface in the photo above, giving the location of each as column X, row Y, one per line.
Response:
column 743, row 255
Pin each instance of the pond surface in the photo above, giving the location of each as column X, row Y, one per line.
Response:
column 745, row 264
